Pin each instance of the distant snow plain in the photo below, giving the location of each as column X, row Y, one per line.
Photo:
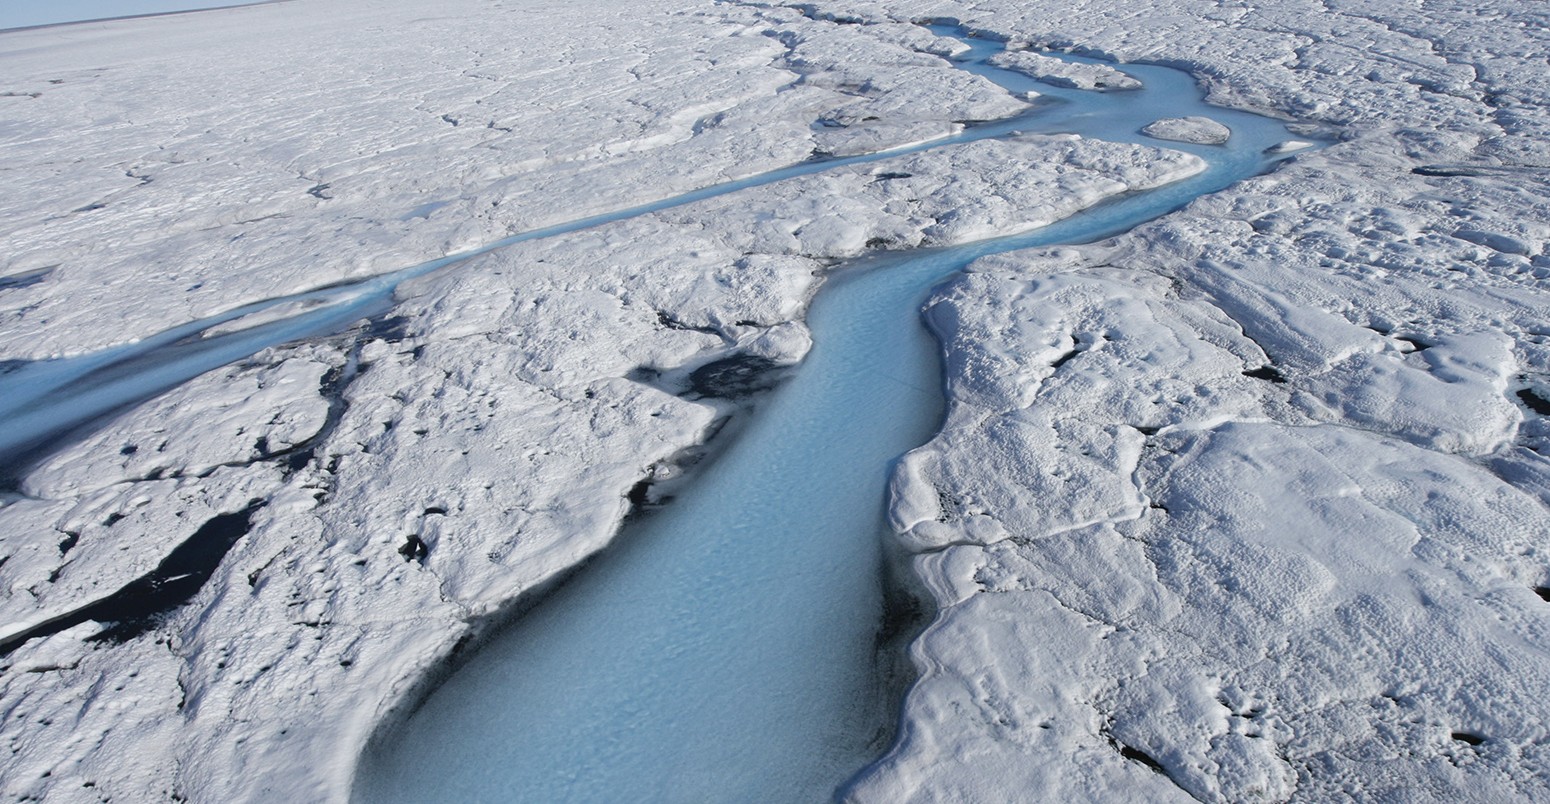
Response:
column 1246, row 504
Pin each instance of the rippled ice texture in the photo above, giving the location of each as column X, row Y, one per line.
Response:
column 726, row 650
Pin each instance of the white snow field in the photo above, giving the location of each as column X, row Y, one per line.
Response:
column 1247, row 503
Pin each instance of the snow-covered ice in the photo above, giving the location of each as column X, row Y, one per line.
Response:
column 362, row 568
column 1061, row 73
column 1247, row 503
column 169, row 183
column 1199, row 130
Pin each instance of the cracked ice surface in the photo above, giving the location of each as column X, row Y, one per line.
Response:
column 150, row 186
column 1146, row 558
column 1249, row 503
column 1201, row 130
column 1063, row 73
column 364, row 567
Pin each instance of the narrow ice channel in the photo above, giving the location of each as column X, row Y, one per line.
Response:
column 726, row 649
column 43, row 402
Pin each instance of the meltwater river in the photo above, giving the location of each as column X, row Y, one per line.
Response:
column 726, row 649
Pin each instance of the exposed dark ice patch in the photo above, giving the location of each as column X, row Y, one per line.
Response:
column 414, row 548
column 1465, row 170
column 1268, row 373
column 1534, row 401
column 890, row 176
column 671, row 321
column 1076, row 349
column 393, row 329
column 139, row 606
column 1543, row 592
column 1137, row 755
column 1468, row 737
column 332, row 389
column 1064, row 359
column 735, row 377
column 645, row 375
column 25, row 279
column 320, row 191
column 142, row 603
column 639, row 495
column 298, row 460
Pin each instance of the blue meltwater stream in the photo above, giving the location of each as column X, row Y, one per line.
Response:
column 726, row 649
column 729, row 647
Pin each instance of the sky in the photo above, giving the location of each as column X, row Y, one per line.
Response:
column 22, row 13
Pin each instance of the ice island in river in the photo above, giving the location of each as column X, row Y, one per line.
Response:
column 1247, row 502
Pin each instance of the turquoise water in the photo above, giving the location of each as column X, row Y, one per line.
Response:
column 45, row 401
column 27, row 13
column 726, row 649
